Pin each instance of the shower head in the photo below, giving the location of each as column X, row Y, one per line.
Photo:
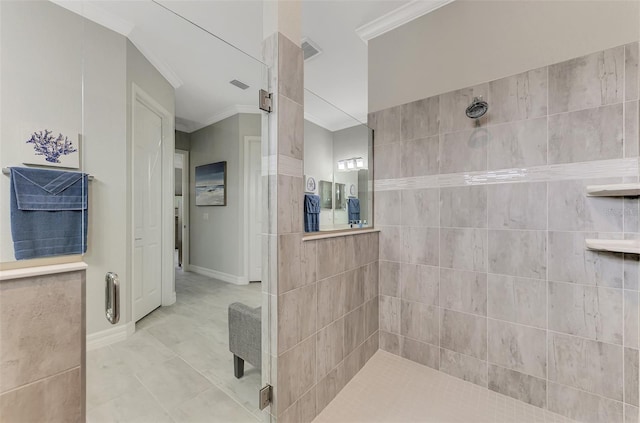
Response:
column 477, row 108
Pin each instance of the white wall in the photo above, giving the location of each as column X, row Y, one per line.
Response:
column 40, row 84
column 216, row 232
column 468, row 42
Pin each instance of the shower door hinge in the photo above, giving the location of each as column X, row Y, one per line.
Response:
column 265, row 101
column 265, row 396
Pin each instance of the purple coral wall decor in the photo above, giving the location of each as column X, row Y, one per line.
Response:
column 51, row 147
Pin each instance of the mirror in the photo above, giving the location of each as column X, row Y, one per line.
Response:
column 337, row 154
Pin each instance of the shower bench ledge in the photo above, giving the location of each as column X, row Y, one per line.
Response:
column 614, row 245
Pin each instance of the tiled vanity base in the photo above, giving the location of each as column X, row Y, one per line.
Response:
column 42, row 345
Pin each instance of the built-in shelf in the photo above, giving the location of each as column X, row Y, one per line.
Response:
column 615, row 190
column 614, row 245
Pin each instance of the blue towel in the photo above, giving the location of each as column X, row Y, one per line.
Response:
column 353, row 204
column 311, row 213
column 48, row 212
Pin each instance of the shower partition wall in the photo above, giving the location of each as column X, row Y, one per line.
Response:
column 484, row 271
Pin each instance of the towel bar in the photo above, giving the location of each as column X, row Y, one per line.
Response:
column 6, row 171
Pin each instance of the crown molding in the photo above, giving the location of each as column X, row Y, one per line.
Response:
column 98, row 15
column 398, row 17
column 333, row 127
column 164, row 69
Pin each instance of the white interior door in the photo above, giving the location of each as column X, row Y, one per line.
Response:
column 255, row 212
column 147, row 210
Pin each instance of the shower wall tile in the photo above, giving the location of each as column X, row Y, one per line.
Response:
column 290, row 70
column 586, row 311
column 464, row 151
column 631, row 319
column 387, row 211
column 570, row 261
column 578, row 212
column 290, row 128
column 463, row 291
column 354, row 289
column 420, row 207
column 371, row 316
column 631, row 414
column 290, row 190
column 631, row 271
column 419, row 321
column 295, row 323
column 453, row 105
column 464, row 249
column 332, row 294
column 390, row 243
column 582, row 406
column 592, row 366
column 419, row 283
column 517, row 144
column 463, row 207
column 290, row 246
column 588, row 81
column 386, row 124
column 425, row 354
column 389, row 314
column 390, row 278
column 518, row 97
column 420, row 157
column 529, row 260
column 529, row 389
column 518, row 206
column 296, row 372
column 389, row 342
column 631, row 81
column 353, row 330
column 464, row 333
column 523, row 307
column 631, row 211
column 464, row 367
column 631, row 130
column 387, row 161
column 420, row 245
column 330, row 351
column 632, row 370
column 584, row 135
column 517, row 300
column 331, row 257
column 371, row 280
column 302, row 411
column 419, row 119
column 328, row 387
column 517, row 347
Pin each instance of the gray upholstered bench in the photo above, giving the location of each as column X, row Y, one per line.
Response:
column 245, row 336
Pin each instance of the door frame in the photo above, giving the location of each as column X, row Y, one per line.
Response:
column 167, row 286
column 245, row 249
column 185, row 208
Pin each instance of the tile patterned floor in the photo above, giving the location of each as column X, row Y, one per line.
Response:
column 392, row 389
column 177, row 366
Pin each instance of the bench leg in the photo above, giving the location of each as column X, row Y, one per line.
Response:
column 238, row 366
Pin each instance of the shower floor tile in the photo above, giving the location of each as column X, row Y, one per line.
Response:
column 392, row 389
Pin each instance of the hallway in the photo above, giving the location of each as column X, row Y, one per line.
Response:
column 177, row 366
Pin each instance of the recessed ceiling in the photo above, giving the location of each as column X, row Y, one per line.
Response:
column 200, row 65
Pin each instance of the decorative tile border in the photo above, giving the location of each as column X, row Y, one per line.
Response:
column 594, row 169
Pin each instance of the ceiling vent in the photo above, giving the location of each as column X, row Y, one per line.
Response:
column 309, row 49
column 239, row 84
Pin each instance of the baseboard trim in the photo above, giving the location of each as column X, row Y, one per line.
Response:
column 110, row 336
column 225, row 277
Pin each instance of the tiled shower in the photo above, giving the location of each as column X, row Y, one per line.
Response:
column 484, row 273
